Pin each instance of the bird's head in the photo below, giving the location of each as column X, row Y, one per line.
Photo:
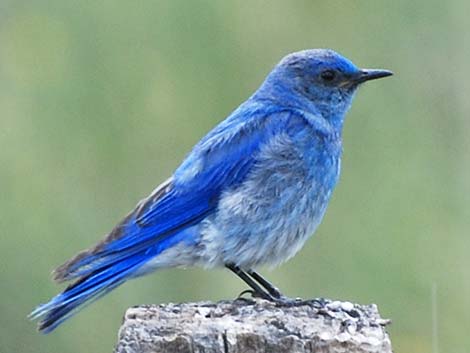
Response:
column 319, row 79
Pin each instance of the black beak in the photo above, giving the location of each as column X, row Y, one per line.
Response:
column 371, row 74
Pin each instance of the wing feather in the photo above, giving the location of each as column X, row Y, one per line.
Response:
column 219, row 162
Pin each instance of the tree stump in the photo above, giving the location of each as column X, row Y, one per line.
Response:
column 249, row 326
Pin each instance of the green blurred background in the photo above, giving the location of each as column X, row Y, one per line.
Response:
column 101, row 100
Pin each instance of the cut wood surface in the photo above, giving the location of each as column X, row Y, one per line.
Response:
column 249, row 326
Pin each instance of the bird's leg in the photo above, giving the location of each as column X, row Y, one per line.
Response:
column 274, row 291
column 257, row 290
column 280, row 298
column 273, row 294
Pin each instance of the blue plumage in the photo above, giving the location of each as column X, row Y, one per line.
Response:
column 249, row 193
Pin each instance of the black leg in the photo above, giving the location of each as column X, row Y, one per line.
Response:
column 257, row 290
column 266, row 284
column 273, row 294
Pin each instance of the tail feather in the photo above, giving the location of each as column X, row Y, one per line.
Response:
column 100, row 257
column 111, row 262
column 88, row 261
column 83, row 292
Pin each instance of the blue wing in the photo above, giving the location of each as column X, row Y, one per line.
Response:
column 220, row 161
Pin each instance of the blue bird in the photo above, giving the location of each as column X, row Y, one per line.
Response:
column 250, row 193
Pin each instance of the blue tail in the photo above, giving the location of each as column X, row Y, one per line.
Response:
column 84, row 291
column 100, row 269
column 121, row 255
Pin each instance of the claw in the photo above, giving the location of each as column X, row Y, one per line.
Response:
column 246, row 291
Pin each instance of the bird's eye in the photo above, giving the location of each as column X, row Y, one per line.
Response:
column 328, row 75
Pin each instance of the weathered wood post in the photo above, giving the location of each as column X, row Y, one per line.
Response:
column 253, row 326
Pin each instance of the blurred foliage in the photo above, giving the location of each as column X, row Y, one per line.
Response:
column 100, row 101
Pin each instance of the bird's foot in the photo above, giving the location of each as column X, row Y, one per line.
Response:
column 255, row 294
column 290, row 302
column 280, row 299
column 241, row 296
column 246, row 291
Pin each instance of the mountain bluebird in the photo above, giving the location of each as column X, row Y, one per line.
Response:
column 249, row 193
